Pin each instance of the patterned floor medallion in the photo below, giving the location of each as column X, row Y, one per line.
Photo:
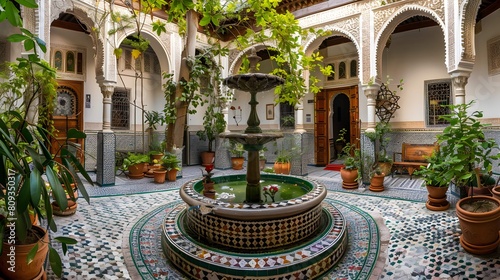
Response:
column 308, row 261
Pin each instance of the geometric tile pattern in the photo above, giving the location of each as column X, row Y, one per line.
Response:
column 303, row 260
column 248, row 235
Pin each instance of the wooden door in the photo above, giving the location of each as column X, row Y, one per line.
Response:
column 68, row 113
column 321, row 149
column 321, row 121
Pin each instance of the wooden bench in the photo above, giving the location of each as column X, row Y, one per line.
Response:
column 413, row 156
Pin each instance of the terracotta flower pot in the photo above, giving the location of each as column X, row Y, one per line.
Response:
column 159, row 175
column 172, row 175
column 282, row 167
column 480, row 231
column 207, row 158
column 136, row 171
column 377, row 183
column 237, row 162
column 349, row 178
column 496, row 192
column 22, row 269
column 437, row 200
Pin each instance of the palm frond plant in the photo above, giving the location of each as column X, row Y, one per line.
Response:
column 26, row 161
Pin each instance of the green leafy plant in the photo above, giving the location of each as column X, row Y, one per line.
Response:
column 170, row 161
column 436, row 172
column 134, row 158
column 351, row 155
column 236, row 149
column 380, row 140
column 465, row 147
column 25, row 158
column 153, row 118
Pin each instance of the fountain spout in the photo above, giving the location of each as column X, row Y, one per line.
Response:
column 253, row 139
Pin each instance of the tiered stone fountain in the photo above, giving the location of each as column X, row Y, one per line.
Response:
column 291, row 237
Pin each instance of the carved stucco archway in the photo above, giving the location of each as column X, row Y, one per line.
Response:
column 384, row 30
column 236, row 56
column 160, row 45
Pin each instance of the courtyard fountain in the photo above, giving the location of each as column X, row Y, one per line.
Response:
column 258, row 236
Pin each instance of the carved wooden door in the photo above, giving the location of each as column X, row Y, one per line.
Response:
column 68, row 114
column 321, row 128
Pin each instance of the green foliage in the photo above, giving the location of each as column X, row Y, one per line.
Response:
column 380, row 140
column 436, row 172
column 464, row 145
column 25, row 159
column 351, row 155
column 134, row 158
column 236, row 149
column 154, row 118
column 170, row 161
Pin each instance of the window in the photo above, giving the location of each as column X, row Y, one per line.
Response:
column 438, row 93
column 354, row 68
column 287, row 116
column 342, row 70
column 332, row 75
column 120, row 109
column 69, row 62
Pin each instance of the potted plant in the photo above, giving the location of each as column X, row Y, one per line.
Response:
column 436, row 181
column 380, row 141
column 262, row 158
column 135, row 163
column 340, row 143
column 282, row 164
column 172, row 164
column 351, row 157
column 153, row 118
column 213, row 124
column 237, row 151
column 468, row 153
column 377, row 177
column 208, row 183
column 25, row 164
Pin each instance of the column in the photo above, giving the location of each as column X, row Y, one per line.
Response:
column 371, row 93
column 106, row 141
column 299, row 117
column 459, row 80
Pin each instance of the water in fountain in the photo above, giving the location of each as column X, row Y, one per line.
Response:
column 251, row 238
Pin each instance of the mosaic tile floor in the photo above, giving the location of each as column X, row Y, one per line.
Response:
column 423, row 244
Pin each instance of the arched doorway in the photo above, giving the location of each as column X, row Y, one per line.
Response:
column 334, row 109
column 339, row 114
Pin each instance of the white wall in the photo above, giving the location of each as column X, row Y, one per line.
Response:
column 482, row 87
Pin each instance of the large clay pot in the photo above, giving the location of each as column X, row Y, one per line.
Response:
column 437, row 200
column 377, row 183
column 237, row 162
column 349, row 178
column 24, row 271
column 207, row 158
column 159, row 175
column 496, row 192
column 172, row 175
column 480, row 231
column 282, row 167
column 136, row 171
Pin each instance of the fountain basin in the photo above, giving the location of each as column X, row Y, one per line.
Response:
column 247, row 226
column 191, row 194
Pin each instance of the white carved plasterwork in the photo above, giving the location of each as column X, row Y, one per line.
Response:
column 58, row 7
column 469, row 12
column 329, row 16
